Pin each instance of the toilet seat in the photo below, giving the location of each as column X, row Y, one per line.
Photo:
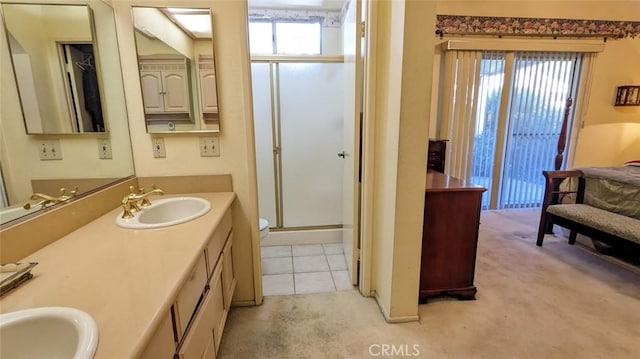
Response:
column 264, row 228
column 264, row 224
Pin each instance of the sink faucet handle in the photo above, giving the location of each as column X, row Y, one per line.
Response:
column 145, row 201
column 131, row 201
column 128, row 208
column 63, row 192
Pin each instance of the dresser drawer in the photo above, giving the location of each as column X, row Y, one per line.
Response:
column 190, row 295
column 436, row 155
column 436, row 146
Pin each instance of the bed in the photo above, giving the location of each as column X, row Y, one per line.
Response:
column 614, row 189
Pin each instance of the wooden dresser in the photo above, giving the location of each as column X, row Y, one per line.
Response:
column 449, row 237
column 436, row 154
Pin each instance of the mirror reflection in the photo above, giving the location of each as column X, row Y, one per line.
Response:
column 55, row 66
column 177, row 69
column 80, row 164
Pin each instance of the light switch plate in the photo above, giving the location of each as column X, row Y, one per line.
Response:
column 104, row 149
column 209, row 147
column 49, row 150
column 158, row 147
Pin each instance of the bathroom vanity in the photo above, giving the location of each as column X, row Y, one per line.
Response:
column 154, row 293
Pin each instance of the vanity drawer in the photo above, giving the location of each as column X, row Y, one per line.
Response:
column 217, row 240
column 200, row 333
column 190, row 295
column 162, row 344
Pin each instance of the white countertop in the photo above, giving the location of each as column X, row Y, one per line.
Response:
column 125, row 279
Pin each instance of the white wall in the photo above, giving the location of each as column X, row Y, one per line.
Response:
column 403, row 92
column 237, row 156
column 611, row 135
column 19, row 152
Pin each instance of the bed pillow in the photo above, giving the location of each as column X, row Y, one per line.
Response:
column 635, row 163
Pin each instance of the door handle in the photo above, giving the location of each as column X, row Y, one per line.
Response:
column 342, row 154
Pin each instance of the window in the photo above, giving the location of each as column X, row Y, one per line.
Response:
column 292, row 38
column 504, row 118
column 261, row 37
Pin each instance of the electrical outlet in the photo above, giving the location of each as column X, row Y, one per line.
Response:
column 158, row 147
column 104, row 149
column 209, row 147
column 50, row 150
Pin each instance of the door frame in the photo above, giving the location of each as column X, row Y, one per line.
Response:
column 368, row 148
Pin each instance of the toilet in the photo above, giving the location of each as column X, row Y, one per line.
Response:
column 264, row 228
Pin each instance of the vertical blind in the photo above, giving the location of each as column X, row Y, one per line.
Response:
column 502, row 111
column 463, row 71
column 541, row 86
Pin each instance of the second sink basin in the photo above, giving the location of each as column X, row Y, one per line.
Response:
column 48, row 332
column 166, row 212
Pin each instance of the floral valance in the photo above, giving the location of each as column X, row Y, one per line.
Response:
column 526, row 26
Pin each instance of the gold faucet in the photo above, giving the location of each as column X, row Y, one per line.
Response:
column 133, row 201
column 46, row 200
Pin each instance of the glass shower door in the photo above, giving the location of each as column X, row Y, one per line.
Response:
column 264, row 137
column 298, row 122
column 311, row 124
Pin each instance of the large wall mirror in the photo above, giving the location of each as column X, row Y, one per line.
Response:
column 177, row 69
column 56, row 66
column 79, row 164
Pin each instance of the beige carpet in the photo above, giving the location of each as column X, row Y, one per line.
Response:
column 558, row 301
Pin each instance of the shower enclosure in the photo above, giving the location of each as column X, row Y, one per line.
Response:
column 298, row 115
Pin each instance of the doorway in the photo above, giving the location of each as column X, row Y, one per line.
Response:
column 81, row 85
column 305, row 118
column 298, row 119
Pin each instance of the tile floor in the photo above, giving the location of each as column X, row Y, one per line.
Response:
column 309, row 268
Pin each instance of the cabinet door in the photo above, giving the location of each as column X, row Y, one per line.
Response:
column 176, row 91
column 162, row 345
column 152, row 93
column 228, row 276
column 189, row 296
column 199, row 335
column 208, row 92
column 217, row 303
column 210, row 350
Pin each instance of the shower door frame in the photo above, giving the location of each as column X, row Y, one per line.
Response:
column 276, row 134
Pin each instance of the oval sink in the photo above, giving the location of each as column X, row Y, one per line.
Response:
column 48, row 332
column 166, row 212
